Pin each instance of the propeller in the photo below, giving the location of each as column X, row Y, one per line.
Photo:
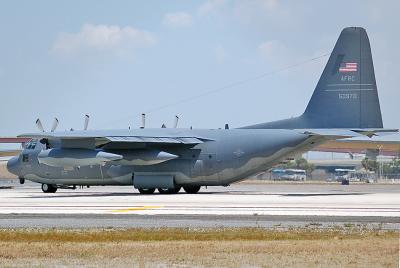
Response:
column 143, row 120
column 176, row 121
column 55, row 124
column 39, row 125
column 86, row 124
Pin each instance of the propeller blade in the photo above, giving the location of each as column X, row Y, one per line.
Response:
column 86, row 124
column 176, row 121
column 55, row 124
column 39, row 125
column 143, row 120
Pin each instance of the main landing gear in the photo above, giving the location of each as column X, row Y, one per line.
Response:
column 146, row 191
column 49, row 188
column 191, row 189
column 188, row 189
column 169, row 190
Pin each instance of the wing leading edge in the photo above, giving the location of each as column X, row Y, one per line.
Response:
column 119, row 141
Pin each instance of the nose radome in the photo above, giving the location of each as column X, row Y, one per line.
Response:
column 12, row 165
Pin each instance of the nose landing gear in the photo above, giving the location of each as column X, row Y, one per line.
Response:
column 49, row 188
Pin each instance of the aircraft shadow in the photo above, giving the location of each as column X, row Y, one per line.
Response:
column 283, row 194
column 61, row 195
column 322, row 194
column 80, row 195
column 71, row 195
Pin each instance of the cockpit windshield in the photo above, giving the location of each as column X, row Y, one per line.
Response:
column 30, row 145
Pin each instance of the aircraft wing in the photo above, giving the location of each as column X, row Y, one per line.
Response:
column 346, row 140
column 385, row 144
column 133, row 142
column 117, row 139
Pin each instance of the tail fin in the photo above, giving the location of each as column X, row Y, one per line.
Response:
column 346, row 94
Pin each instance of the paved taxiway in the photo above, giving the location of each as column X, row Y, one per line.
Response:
column 265, row 205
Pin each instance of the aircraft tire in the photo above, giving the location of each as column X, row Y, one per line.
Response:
column 54, row 189
column 146, row 191
column 48, row 188
column 21, row 180
column 169, row 190
column 192, row 189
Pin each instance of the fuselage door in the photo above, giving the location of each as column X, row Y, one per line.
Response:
column 209, row 164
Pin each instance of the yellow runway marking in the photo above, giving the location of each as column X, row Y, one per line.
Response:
column 136, row 208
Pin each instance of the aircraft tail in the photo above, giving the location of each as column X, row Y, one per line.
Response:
column 346, row 94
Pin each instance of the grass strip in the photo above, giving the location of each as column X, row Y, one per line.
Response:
column 186, row 234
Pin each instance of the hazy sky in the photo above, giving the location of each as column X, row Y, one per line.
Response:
column 117, row 59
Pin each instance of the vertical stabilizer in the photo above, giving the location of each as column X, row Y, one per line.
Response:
column 346, row 94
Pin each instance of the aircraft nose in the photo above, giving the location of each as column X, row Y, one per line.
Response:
column 13, row 165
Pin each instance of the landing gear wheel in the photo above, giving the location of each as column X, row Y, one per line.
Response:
column 169, row 190
column 192, row 189
column 21, row 180
column 48, row 188
column 146, row 191
column 345, row 182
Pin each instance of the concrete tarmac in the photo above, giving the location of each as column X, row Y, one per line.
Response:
column 239, row 205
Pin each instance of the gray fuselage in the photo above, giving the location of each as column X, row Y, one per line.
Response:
column 227, row 156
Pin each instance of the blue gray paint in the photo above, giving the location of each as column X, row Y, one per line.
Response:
column 342, row 101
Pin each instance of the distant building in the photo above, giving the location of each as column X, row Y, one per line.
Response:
column 289, row 174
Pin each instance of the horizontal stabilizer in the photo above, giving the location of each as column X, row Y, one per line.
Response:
column 345, row 133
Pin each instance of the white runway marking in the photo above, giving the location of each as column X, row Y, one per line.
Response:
column 264, row 199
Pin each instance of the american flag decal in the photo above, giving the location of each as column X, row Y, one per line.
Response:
column 348, row 67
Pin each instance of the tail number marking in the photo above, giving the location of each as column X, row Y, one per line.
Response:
column 348, row 96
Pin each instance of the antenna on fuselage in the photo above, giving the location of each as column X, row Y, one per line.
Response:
column 143, row 121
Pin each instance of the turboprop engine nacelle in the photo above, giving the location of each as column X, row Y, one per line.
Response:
column 75, row 157
column 146, row 157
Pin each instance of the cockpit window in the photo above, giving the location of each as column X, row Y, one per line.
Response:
column 31, row 144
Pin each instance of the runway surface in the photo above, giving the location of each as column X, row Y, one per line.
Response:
column 240, row 205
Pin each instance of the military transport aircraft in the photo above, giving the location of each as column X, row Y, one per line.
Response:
column 344, row 104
